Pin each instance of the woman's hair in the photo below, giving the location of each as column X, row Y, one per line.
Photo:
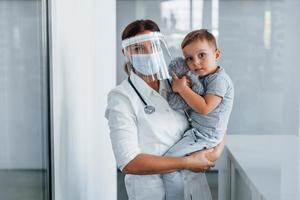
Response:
column 202, row 35
column 135, row 28
column 139, row 26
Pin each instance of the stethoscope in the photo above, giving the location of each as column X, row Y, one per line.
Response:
column 147, row 108
column 151, row 109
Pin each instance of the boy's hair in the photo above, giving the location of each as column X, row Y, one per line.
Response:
column 201, row 34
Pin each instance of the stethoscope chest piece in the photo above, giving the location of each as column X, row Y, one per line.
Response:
column 149, row 109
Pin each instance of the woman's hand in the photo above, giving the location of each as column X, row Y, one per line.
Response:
column 179, row 84
column 198, row 162
column 217, row 151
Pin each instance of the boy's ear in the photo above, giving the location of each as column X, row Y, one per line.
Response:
column 218, row 54
column 123, row 52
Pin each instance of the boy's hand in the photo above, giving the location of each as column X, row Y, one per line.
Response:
column 179, row 84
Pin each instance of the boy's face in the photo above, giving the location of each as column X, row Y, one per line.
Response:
column 201, row 57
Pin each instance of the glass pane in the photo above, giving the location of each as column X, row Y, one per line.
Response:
column 23, row 102
column 259, row 41
column 256, row 40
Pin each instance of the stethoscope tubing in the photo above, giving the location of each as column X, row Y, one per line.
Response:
column 137, row 92
column 148, row 109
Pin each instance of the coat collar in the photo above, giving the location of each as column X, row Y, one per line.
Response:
column 143, row 88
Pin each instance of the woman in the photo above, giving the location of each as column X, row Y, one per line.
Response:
column 142, row 125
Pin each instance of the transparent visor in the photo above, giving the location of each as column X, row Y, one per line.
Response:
column 147, row 55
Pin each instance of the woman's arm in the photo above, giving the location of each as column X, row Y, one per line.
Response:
column 124, row 139
column 151, row 164
column 198, row 162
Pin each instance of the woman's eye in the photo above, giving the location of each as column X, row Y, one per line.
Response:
column 138, row 48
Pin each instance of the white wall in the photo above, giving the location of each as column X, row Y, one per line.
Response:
column 296, row 32
column 290, row 182
column 83, row 55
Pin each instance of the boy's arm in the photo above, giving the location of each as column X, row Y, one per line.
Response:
column 203, row 105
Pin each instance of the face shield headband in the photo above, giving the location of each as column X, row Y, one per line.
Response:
column 147, row 55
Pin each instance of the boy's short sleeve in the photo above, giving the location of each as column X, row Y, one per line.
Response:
column 217, row 86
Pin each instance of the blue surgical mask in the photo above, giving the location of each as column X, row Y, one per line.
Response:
column 147, row 64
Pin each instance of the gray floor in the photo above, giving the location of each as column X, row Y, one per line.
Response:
column 212, row 178
column 22, row 185
column 30, row 185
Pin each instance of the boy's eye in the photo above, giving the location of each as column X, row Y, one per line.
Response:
column 201, row 55
column 188, row 59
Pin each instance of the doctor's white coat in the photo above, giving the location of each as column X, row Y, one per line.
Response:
column 132, row 132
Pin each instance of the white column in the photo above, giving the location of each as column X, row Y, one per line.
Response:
column 84, row 70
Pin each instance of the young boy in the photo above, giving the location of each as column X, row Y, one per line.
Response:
column 208, row 98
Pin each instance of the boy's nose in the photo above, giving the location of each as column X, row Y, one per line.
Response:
column 197, row 62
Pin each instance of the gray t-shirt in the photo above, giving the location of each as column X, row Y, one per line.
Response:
column 214, row 124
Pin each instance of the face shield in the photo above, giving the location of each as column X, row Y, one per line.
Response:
column 147, row 56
